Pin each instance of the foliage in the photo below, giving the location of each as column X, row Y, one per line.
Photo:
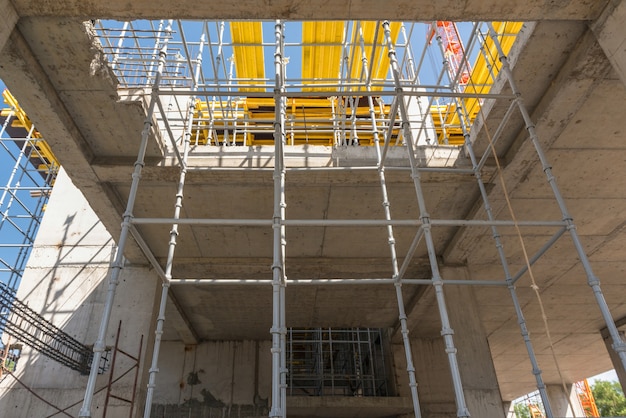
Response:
column 609, row 398
column 521, row 410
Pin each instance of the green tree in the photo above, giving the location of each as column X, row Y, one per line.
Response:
column 609, row 398
column 521, row 410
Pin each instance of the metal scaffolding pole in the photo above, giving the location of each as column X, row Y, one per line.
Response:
column 154, row 367
column 118, row 263
column 278, row 330
column 397, row 279
column 437, row 281
column 618, row 344
column 510, row 282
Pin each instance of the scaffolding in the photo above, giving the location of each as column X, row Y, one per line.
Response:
column 360, row 83
column 26, row 188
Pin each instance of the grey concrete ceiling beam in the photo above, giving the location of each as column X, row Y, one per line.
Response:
column 610, row 33
column 419, row 10
column 585, row 67
column 24, row 76
column 8, row 20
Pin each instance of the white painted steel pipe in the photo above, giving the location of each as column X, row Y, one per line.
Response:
column 437, row 282
column 397, row 280
column 592, row 280
column 118, row 263
column 509, row 281
column 154, row 366
column 278, row 274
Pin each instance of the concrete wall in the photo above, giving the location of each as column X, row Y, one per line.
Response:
column 66, row 282
column 220, row 379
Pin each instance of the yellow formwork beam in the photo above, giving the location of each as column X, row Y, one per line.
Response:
column 378, row 64
column 484, row 72
column 321, row 53
column 23, row 121
column 247, row 40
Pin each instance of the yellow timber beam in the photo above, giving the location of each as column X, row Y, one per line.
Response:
column 48, row 161
column 484, row 72
column 374, row 40
column 247, row 39
column 321, row 53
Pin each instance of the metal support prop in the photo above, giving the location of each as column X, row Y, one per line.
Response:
column 397, row 279
column 437, row 281
column 191, row 109
column 510, row 282
column 118, row 262
column 278, row 330
column 618, row 344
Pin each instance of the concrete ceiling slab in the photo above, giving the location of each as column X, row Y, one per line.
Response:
column 300, row 10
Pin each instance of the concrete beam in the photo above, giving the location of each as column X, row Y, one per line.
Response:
column 24, row 76
column 585, row 68
column 420, row 10
column 611, row 35
column 8, row 20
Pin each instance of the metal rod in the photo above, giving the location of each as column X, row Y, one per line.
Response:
column 539, row 253
column 618, row 344
column 437, row 282
column 509, row 281
column 278, row 274
column 322, row 282
column 410, row 368
column 154, row 367
column 344, row 222
column 118, row 263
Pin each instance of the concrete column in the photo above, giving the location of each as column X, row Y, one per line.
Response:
column 435, row 389
column 66, row 281
column 564, row 404
column 509, row 412
column 617, row 363
column 610, row 32
column 477, row 371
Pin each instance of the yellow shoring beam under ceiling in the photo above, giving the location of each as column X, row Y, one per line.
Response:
column 378, row 65
column 247, row 39
column 484, row 72
column 45, row 154
column 321, row 53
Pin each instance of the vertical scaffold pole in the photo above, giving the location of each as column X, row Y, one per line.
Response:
column 618, row 344
column 191, row 110
column 278, row 330
column 118, row 262
column 410, row 368
column 437, row 281
column 521, row 320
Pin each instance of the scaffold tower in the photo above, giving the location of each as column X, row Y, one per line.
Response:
column 28, row 174
column 305, row 107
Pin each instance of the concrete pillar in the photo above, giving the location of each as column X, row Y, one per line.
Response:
column 610, row 32
column 66, row 282
column 480, row 384
column 564, row 403
column 435, row 389
column 617, row 362
column 509, row 412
